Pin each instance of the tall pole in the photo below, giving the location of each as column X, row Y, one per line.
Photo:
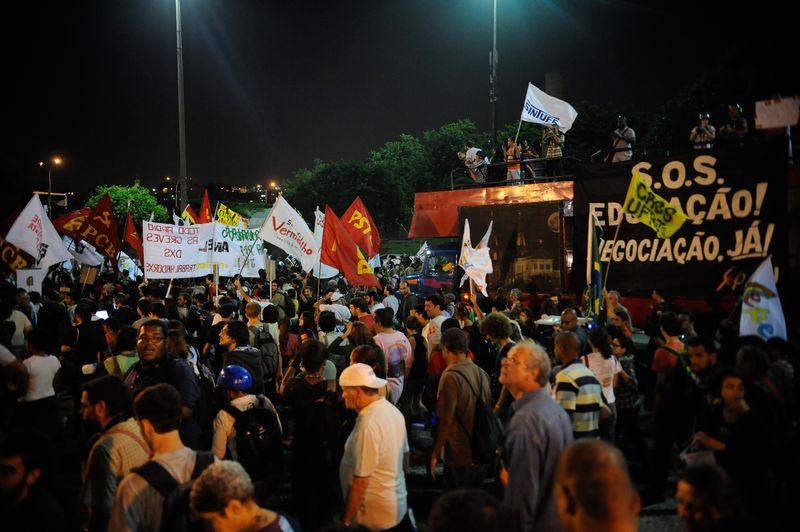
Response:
column 49, row 190
column 182, row 178
column 493, row 75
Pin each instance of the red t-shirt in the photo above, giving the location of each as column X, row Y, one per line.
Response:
column 369, row 321
column 663, row 360
column 436, row 363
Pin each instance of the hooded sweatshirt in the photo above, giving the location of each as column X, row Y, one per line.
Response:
column 249, row 358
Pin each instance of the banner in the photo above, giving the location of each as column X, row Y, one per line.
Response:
column 227, row 216
column 339, row 250
column 735, row 201
column 33, row 232
column 13, row 257
column 651, row 209
column 126, row 263
column 70, row 223
column 100, row 229
column 175, row 251
column 780, row 112
column 326, row 272
column 362, row 228
column 231, row 250
column 476, row 262
column 286, row 229
column 541, row 108
column 762, row 314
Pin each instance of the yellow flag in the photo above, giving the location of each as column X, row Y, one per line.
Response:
column 651, row 209
column 226, row 215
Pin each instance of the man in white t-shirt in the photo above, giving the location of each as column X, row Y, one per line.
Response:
column 21, row 325
column 397, row 350
column 42, row 367
column 434, row 307
column 333, row 302
column 372, row 300
column 372, row 468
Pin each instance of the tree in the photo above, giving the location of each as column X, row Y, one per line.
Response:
column 441, row 147
column 142, row 203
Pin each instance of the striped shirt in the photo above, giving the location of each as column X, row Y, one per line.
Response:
column 579, row 393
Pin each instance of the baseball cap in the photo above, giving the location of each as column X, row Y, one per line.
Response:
column 336, row 296
column 360, row 375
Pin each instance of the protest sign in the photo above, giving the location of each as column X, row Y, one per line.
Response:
column 734, row 199
column 651, row 209
column 232, row 250
column 227, row 216
column 173, row 251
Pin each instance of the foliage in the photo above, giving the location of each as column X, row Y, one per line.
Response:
column 142, row 203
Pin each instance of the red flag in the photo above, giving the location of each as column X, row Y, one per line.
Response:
column 132, row 237
column 359, row 225
column 205, row 210
column 70, row 223
column 339, row 251
column 14, row 258
column 100, row 230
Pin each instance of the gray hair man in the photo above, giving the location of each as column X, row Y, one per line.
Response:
column 537, row 432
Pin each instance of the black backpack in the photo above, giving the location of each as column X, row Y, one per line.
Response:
column 264, row 342
column 206, row 407
column 258, row 439
column 486, row 429
column 288, row 305
column 175, row 514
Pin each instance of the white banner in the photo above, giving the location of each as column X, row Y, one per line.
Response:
column 179, row 252
column 34, row 232
column 762, row 314
column 286, row 229
column 476, row 262
column 84, row 252
column 319, row 226
column 541, row 108
column 127, row 263
column 781, row 112
column 232, row 247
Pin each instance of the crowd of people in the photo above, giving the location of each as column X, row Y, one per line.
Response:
column 182, row 404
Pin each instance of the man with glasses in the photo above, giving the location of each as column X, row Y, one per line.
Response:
column 156, row 366
column 569, row 322
column 537, row 432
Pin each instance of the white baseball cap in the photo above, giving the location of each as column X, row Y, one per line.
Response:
column 360, row 375
column 336, row 296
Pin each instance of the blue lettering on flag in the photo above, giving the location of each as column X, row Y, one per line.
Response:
column 537, row 113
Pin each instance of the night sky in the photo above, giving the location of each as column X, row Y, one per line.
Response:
column 271, row 86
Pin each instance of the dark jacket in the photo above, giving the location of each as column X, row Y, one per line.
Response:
column 249, row 358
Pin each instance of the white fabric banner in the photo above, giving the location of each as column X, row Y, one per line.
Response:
column 319, row 226
column 423, row 249
column 762, row 314
column 232, row 247
column 173, row 251
column 84, row 252
column 34, row 232
column 541, row 108
column 127, row 263
column 286, row 229
column 781, row 112
column 476, row 262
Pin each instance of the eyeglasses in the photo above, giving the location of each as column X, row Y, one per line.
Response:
column 149, row 339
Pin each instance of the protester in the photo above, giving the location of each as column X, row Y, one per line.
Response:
column 372, row 471
column 622, row 140
column 577, row 390
column 119, row 448
column 707, row 501
column 396, row 348
column 605, row 366
column 235, row 337
column 537, row 432
column 593, row 489
column 467, row 510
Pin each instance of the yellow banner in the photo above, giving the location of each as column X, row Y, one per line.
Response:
column 227, row 216
column 651, row 209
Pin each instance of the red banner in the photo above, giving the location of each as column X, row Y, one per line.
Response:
column 70, row 223
column 436, row 213
column 339, row 251
column 205, row 210
column 362, row 229
column 100, row 229
column 13, row 257
column 132, row 237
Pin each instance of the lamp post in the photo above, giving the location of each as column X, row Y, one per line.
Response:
column 55, row 161
column 182, row 178
column 493, row 75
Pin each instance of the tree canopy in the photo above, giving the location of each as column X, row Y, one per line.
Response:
column 142, row 203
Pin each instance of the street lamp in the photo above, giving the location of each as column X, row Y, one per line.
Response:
column 55, row 161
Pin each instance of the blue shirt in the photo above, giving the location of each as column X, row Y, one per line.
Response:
column 536, row 434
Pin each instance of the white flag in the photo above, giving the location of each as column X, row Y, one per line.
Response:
column 84, row 252
column 541, row 108
column 175, row 218
column 127, row 263
column 476, row 262
column 319, row 225
column 34, row 232
column 286, row 229
column 762, row 314
column 423, row 249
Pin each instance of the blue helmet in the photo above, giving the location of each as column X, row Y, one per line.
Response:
column 235, row 378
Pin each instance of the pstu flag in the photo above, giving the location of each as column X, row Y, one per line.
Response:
column 339, row 250
column 594, row 269
column 33, row 233
column 762, row 314
column 286, row 229
column 651, row 209
column 361, row 227
column 541, row 108
column 476, row 262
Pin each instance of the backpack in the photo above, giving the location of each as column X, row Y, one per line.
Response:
column 264, row 342
column 486, row 429
column 258, row 439
column 205, row 409
column 288, row 305
column 331, row 427
column 175, row 515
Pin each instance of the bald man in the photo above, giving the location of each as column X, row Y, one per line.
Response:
column 594, row 490
column 569, row 322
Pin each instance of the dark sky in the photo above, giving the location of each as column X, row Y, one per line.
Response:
column 270, row 86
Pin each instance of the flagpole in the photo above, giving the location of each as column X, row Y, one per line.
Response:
column 616, row 234
column 518, row 129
